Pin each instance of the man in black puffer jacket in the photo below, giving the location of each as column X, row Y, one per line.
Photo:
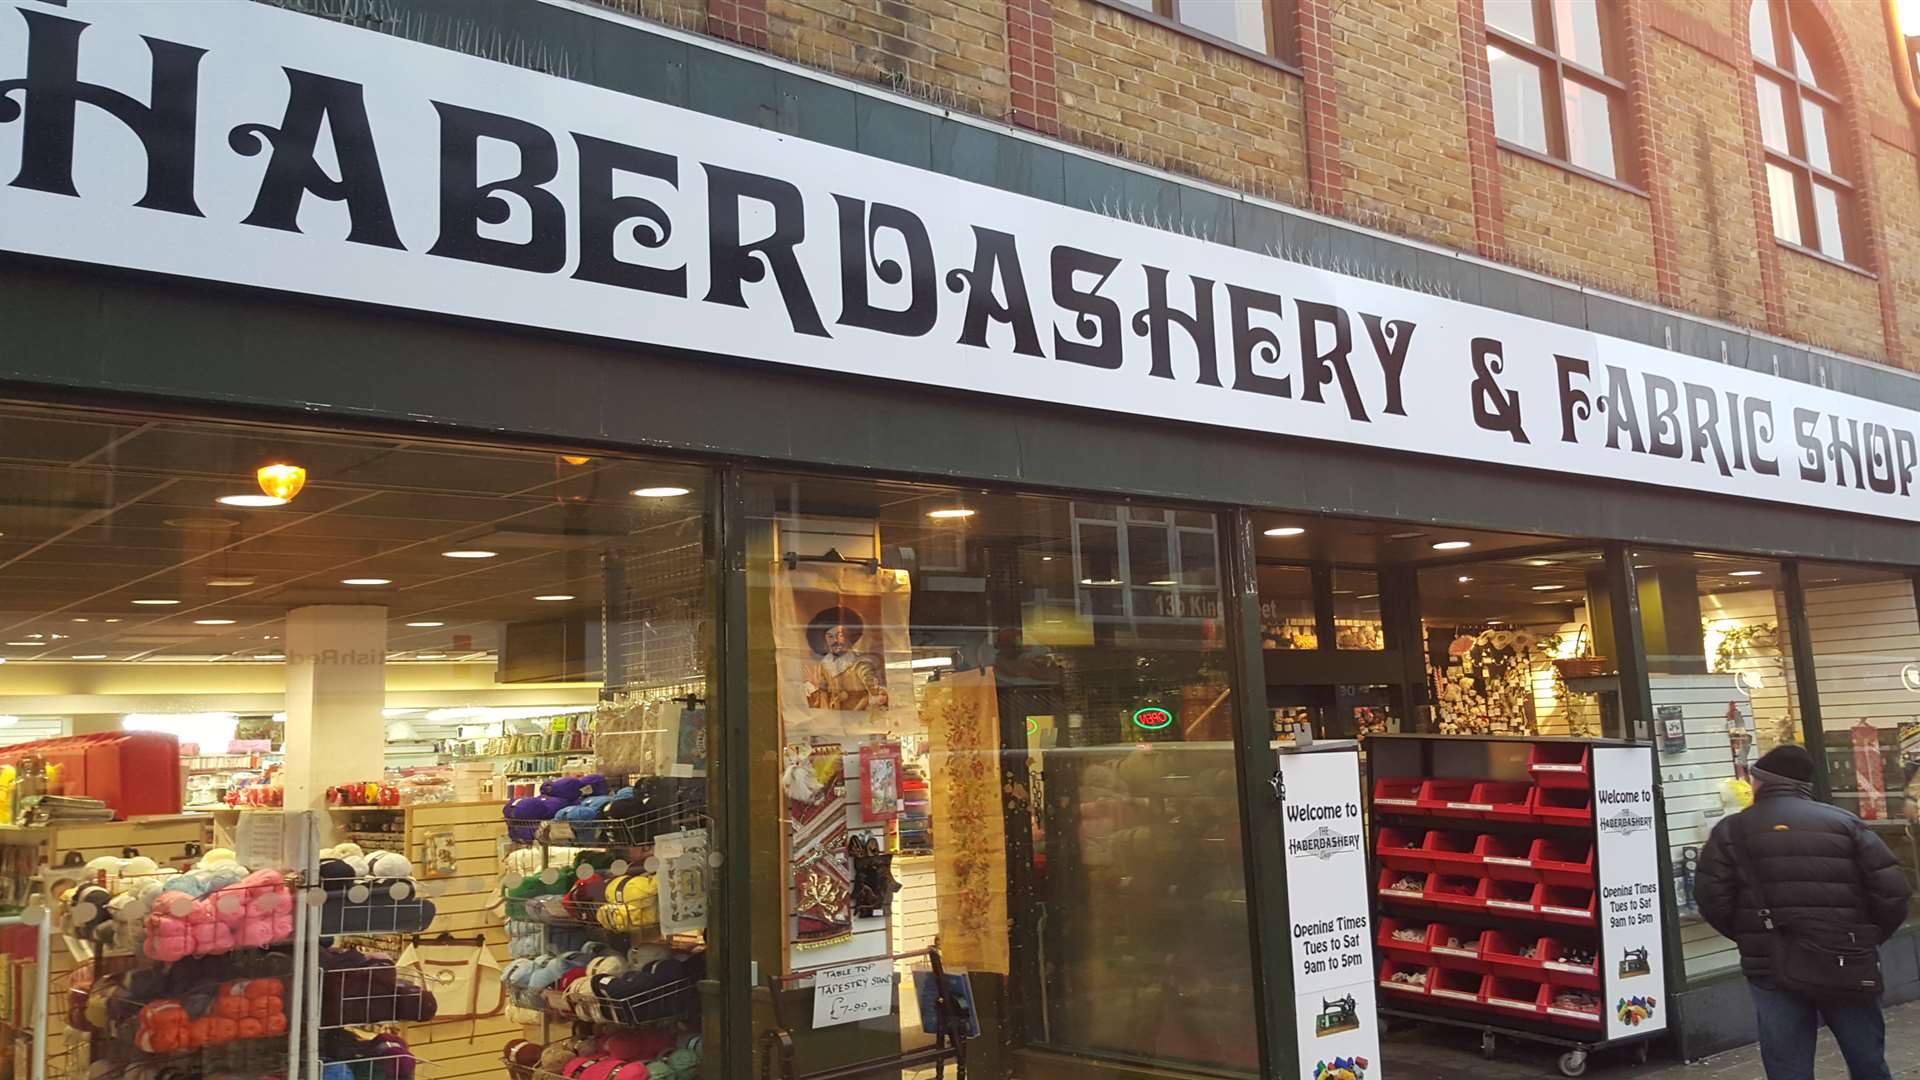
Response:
column 1821, row 868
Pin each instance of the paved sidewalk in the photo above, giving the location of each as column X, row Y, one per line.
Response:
column 1428, row 1052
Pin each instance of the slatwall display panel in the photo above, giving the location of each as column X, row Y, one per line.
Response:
column 656, row 603
column 1863, row 637
column 1694, row 780
column 465, row 908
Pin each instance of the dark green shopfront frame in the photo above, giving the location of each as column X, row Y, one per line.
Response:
column 74, row 334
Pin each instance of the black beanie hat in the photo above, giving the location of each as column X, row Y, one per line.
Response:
column 1790, row 760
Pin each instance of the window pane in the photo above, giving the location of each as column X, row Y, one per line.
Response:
column 1866, row 657
column 1519, row 102
column 1773, row 113
column 1513, row 17
column 1286, row 608
column 1590, row 128
column 1814, row 117
column 1760, row 29
column 1243, row 22
column 1065, row 784
column 1786, row 204
column 1576, row 29
column 1356, row 610
column 1720, row 674
column 1802, row 64
column 1826, row 215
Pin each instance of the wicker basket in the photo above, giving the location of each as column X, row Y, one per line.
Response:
column 1581, row 667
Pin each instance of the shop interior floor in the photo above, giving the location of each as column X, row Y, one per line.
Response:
column 1429, row 1052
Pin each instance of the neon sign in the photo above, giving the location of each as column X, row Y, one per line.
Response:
column 1152, row 718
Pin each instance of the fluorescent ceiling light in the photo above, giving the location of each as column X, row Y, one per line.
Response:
column 1285, row 530
column 366, row 581
column 1746, row 573
column 91, row 656
column 430, row 656
column 229, row 582
column 1463, row 579
column 252, row 501
column 470, row 553
column 664, row 492
column 213, row 622
column 156, row 603
column 1546, row 588
column 555, row 596
column 424, row 624
column 1452, row 545
column 1100, row 582
column 948, row 513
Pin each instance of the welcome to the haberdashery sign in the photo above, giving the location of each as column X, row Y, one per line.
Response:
column 229, row 140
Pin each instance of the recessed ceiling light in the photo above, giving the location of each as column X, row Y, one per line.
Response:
column 82, row 620
column 1547, row 588
column 1540, row 562
column 1746, row 573
column 229, row 582
column 664, row 492
column 366, row 581
column 1046, row 558
column 1285, row 530
column 1463, row 579
column 156, row 603
column 424, row 625
column 91, row 656
column 110, row 620
column 213, row 622
column 24, row 644
column 1452, row 545
column 257, row 502
column 470, row 553
column 555, row 596
column 949, row 513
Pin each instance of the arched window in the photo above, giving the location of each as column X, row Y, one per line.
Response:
column 1795, row 74
column 1557, row 90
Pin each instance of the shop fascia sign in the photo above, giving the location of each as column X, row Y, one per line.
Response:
column 243, row 143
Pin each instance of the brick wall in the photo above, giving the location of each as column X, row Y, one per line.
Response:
column 1391, row 127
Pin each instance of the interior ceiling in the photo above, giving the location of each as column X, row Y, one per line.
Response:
column 99, row 512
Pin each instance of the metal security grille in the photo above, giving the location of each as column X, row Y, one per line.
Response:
column 655, row 614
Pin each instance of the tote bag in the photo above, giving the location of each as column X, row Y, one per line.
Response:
column 463, row 978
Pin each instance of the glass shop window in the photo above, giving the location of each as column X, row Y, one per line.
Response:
column 1356, row 611
column 1720, row 672
column 1513, row 647
column 1287, row 619
column 999, row 724
column 1866, row 664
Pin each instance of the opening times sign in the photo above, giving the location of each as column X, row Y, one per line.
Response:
column 1633, row 955
column 1337, row 1027
column 242, row 143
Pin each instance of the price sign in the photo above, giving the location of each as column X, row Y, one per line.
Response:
column 844, row 995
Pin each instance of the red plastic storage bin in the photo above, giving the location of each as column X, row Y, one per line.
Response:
column 137, row 773
column 1389, row 876
column 1400, row 848
column 1451, row 797
column 1509, row 857
column 1506, row 952
column 1449, row 851
column 1398, row 967
column 1516, row 995
column 1567, row 904
column 1563, row 805
column 1504, row 896
column 1555, row 960
column 1454, row 890
column 1457, row 986
column 1456, row 946
column 1505, row 800
column 1564, row 860
column 1392, row 793
column 1414, row 949
column 1559, row 764
column 1551, row 1007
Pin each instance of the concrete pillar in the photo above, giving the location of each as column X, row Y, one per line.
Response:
column 336, row 691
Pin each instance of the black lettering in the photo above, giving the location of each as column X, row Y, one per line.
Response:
column 1495, row 408
column 1251, row 343
column 466, row 202
column 996, row 261
column 1663, row 416
column 1752, row 412
column 1622, row 414
column 1154, row 320
column 603, row 214
column 860, row 228
column 52, row 92
column 1322, row 366
column 294, row 172
column 1097, row 320
column 1845, row 450
column 1733, row 430
column 1703, row 418
column 733, row 261
column 1392, row 341
column 1813, row 459
column 1575, row 404
column 1879, row 454
column 1906, row 456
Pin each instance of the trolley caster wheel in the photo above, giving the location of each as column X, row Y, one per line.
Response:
column 1487, row 1045
column 1573, row 1063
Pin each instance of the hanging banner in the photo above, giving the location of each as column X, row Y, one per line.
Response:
column 841, row 649
column 1337, row 1030
column 242, row 143
column 1632, row 954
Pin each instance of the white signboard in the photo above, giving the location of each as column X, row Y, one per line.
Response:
column 856, row 992
column 1632, row 954
column 242, row 143
column 1329, row 921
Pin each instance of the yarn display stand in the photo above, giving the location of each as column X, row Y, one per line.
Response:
column 952, row 1023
